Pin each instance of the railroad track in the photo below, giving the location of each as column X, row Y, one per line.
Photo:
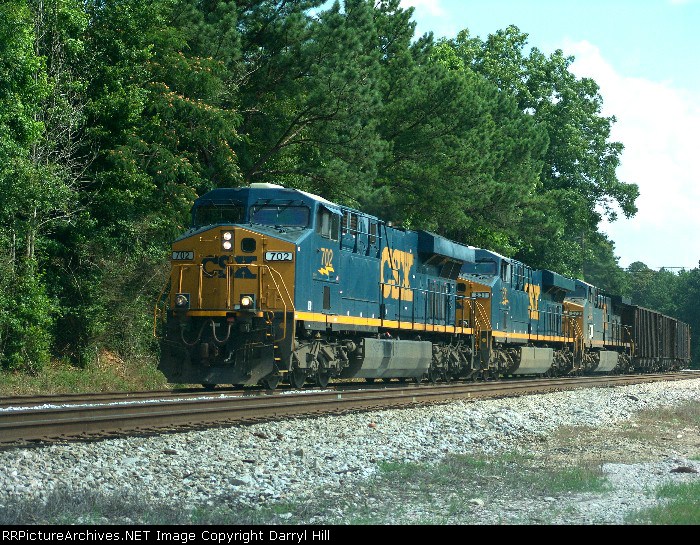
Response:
column 57, row 400
column 54, row 400
column 174, row 411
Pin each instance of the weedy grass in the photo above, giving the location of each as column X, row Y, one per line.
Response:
column 68, row 506
column 107, row 373
column 454, row 489
column 575, row 480
column 682, row 506
column 654, row 423
column 64, row 506
column 400, row 493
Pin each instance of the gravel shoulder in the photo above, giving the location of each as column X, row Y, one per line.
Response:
column 372, row 467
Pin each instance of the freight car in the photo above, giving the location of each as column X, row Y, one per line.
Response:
column 272, row 283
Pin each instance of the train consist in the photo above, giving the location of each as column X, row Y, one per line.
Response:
column 274, row 284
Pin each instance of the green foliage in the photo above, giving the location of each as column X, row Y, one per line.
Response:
column 116, row 114
column 687, row 296
column 29, row 194
column 578, row 166
column 145, row 126
column 22, row 83
column 309, row 96
column 23, row 86
column 78, row 277
column 654, row 289
column 26, row 317
column 600, row 266
column 460, row 157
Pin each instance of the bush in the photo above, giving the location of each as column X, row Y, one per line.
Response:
column 26, row 318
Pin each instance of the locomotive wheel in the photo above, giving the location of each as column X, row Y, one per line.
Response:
column 271, row 381
column 323, row 372
column 297, row 378
column 493, row 376
column 322, row 378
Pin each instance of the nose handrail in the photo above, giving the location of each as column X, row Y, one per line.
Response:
column 279, row 286
column 277, row 280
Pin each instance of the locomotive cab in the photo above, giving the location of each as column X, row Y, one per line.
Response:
column 231, row 308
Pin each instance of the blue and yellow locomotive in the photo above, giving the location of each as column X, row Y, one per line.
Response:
column 273, row 284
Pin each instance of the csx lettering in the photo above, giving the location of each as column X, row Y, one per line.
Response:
column 399, row 264
column 244, row 272
column 215, row 266
column 533, row 291
column 326, row 261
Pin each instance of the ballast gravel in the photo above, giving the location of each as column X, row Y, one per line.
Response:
column 294, row 460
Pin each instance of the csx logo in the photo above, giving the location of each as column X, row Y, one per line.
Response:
column 533, row 291
column 395, row 273
column 215, row 266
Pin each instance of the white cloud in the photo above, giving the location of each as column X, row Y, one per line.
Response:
column 660, row 128
column 431, row 7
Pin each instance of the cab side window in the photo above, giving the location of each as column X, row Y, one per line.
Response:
column 505, row 271
column 327, row 224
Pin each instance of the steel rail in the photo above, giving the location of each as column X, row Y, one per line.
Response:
column 104, row 397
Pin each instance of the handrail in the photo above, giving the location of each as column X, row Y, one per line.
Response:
column 278, row 281
column 579, row 340
column 484, row 316
column 272, row 272
column 159, row 299
column 181, row 267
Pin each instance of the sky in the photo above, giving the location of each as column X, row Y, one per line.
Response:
column 645, row 57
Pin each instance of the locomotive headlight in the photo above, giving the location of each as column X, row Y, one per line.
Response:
column 246, row 301
column 227, row 240
column 182, row 300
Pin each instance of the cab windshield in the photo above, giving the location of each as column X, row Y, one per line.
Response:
column 211, row 214
column 282, row 215
column 485, row 268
